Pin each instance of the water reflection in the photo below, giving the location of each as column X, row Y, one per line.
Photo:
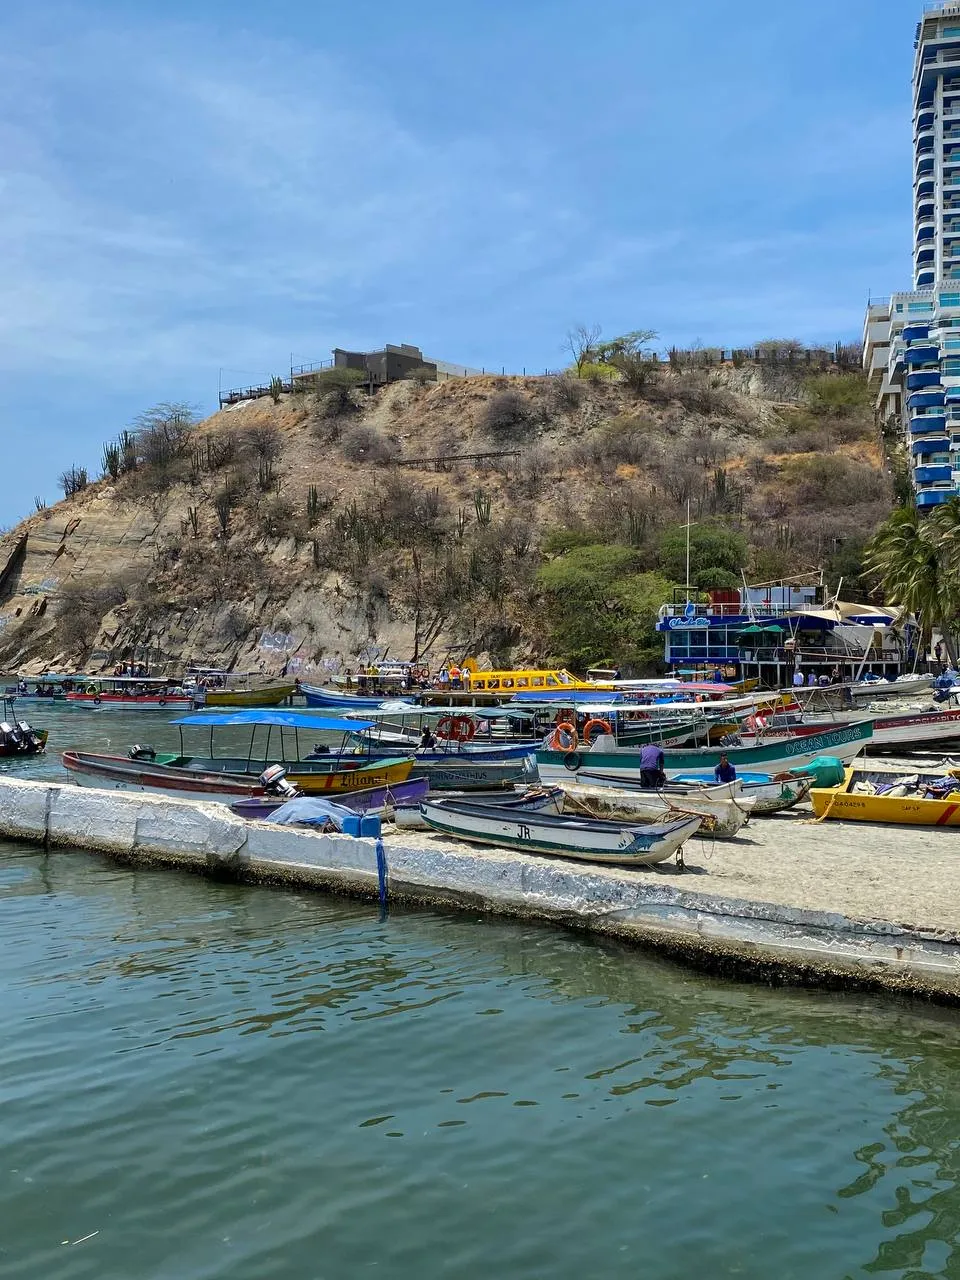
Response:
column 745, row 1130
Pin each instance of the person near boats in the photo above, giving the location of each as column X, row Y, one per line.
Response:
column 811, row 680
column 427, row 740
column 651, row 767
column 725, row 771
column 798, row 679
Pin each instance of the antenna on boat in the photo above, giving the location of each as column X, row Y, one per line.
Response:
column 688, row 551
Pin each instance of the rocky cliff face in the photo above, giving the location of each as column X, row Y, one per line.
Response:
column 289, row 534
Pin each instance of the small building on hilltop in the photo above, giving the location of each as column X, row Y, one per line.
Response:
column 391, row 364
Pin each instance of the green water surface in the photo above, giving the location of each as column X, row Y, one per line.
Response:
column 204, row 1081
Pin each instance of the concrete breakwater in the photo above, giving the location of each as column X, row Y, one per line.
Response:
column 754, row 922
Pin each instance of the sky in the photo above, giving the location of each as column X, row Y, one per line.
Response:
column 193, row 192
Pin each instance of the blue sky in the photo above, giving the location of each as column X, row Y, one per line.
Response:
column 197, row 186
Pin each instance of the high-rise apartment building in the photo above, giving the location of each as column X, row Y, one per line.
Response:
column 911, row 349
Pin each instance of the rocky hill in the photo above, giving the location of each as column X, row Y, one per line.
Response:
column 289, row 532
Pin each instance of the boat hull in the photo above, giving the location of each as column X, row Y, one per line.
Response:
column 269, row 696
column 367, row 800
column 831, row 803
column 771, row 795
column 333, row 700
column 722, row 819
column 117, row 702
column 773, row 756
column 205, row 781
column 622, row 844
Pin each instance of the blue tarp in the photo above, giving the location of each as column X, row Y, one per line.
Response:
column 308, row 811
column 285, row 719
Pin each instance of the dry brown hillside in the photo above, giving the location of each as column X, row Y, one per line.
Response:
column 288, row 530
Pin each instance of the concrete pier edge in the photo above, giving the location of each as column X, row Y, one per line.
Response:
column 732, row 937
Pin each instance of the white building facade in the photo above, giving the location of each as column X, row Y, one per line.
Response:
column 911, row 341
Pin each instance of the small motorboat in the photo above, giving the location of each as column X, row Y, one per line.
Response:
column 588, row 840
column 769, row 793
column 379, row 800
column 17, row 738
column 927, row 799
column 722, row 818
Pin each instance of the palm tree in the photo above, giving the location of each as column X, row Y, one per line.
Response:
column 917, row 561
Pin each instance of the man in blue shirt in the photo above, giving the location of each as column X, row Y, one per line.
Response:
column 651, row 767
column 725, row 771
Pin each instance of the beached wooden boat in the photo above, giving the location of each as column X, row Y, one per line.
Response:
column 903, row 687
column 909, row 730
column 17, row 737
column 722, row 818
column 268, row 695
column 896, row 797
column 587, row 840
column 773, row 755
column 768, row 794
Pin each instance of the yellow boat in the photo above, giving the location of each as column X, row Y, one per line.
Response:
column 377, row 773
column 268, row 695
column 852, row 800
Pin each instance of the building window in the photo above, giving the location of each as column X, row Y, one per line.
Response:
column 950, row 299
column 916, row 307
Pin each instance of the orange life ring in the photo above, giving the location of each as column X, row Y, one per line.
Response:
column 554, row 742
column 595, row 723
column 457, row 728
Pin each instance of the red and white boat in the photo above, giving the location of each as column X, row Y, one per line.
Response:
column 130, row 693
column 910, row 730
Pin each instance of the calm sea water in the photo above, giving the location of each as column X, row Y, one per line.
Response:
column 202, row 1081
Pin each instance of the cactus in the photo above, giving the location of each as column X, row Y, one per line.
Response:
column 483, row 508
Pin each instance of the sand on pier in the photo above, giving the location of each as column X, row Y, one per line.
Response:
column 902, row 875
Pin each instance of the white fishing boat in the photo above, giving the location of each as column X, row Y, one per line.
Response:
column 587, row 840
column 766, row 794
column 722, row 818
column 907, row 686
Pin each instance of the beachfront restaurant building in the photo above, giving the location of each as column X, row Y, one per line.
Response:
column 773, row 631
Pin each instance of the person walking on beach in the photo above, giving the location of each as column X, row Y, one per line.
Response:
column 725, row 771
column 652, row 775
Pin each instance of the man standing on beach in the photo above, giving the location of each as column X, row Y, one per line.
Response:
column 652, row 775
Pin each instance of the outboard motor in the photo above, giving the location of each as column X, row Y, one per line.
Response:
column 7, row 733
column 138, row 752
column 274, row 782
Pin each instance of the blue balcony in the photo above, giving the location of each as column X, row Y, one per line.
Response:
column 932, row 475
column 925, row 278
column 925, row 120
column 926, row 232
column 937, row 445
column 934, row 497
column 926, row 424
column 925, row 166
column 926, row 378
column 926, row 399
column 926, row 258
column 912, row 332
column 922, row 355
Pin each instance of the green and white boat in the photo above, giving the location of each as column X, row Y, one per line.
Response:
column 773, row 756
